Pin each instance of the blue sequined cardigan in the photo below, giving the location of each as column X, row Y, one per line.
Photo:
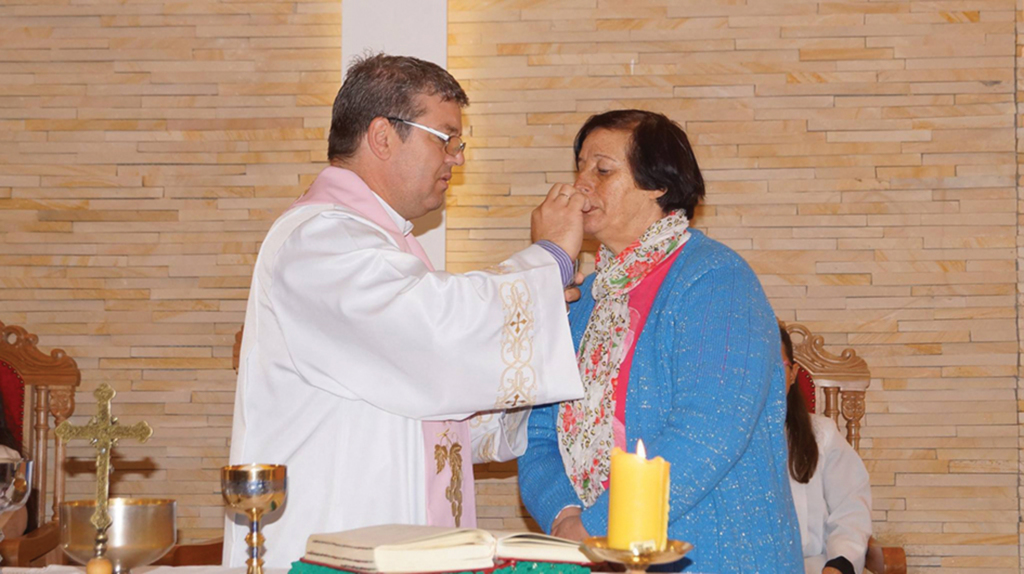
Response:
column 706, row 392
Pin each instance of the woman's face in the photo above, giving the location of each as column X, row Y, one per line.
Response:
column 619, row 211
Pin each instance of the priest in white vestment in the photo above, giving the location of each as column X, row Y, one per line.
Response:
column 360, row 364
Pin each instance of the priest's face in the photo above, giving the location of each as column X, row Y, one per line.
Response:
column 421, row 169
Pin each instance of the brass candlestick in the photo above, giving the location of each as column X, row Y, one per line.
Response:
column 639, row 557
column 103, row 433
column 254, row 489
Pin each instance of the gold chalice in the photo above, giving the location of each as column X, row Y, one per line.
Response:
column 254, row 489
column 141, row 531
column 636, row 559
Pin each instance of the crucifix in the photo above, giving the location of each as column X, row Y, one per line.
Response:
column 103, row 432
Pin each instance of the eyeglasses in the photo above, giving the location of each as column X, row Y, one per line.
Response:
column 453, row 145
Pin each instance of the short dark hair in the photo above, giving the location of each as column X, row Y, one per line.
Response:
column 660, row 156
column 380, row 85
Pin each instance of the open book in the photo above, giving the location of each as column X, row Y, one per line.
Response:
column 406, row 548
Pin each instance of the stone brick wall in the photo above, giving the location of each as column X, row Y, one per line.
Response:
column 145, row 147
column 861, row 157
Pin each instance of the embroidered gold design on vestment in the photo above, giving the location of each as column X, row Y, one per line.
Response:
column 480, row 419
column 518, row 380
column 451, row 454
column 488, row 449
column 503, row 268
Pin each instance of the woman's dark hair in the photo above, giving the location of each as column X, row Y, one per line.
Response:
column 385, row 86
column 803, row 447
column 660, row 156
column 6, row 436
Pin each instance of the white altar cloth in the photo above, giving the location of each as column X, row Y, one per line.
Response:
column 141, row 570
column 153, row 570
column 150, row 570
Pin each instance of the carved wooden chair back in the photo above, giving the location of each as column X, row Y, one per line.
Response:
column 805, row 382
column 42, row 387
column 841, row 379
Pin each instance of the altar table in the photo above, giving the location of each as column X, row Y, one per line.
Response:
column 146, row 570
column 142, row 570
column 152, row 570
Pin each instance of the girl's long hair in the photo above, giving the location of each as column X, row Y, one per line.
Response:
column 7, row 438
column 803, row 447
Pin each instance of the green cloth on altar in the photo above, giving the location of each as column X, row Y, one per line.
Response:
column 300, row 567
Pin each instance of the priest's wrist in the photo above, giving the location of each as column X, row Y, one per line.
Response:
column 566, row 265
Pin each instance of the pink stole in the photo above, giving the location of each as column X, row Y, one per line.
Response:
column 449, row 492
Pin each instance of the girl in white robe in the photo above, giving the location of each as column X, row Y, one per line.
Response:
column 831, row 487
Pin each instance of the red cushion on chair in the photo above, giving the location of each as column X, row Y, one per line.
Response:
column 12, row 389
column 806, row 383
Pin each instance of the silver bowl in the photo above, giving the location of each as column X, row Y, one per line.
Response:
column 142, row 530
column 15, row 485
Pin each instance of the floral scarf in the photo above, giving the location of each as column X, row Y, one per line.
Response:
column 585, row 435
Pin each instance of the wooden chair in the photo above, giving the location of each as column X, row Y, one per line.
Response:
column 208, row 553
column 45, row 385
column 843, row 381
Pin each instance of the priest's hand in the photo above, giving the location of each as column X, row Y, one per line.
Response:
column 568, row 525
column 559, row 219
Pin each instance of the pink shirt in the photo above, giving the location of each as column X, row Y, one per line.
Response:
column 641, row 299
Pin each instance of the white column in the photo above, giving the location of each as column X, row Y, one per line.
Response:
column 403, row 28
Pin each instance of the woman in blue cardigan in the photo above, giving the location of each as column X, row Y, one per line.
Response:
column 677, row 346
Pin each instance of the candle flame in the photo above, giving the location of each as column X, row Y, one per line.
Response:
column 640, row 450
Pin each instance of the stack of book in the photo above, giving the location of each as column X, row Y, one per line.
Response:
column 403, row 549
